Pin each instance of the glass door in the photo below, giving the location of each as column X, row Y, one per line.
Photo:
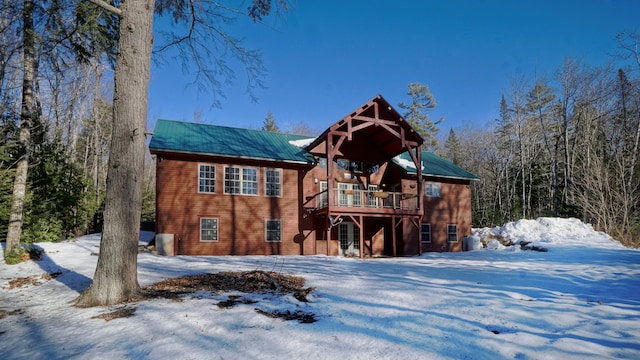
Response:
column 349, row 238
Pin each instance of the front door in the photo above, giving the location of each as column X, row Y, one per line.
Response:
column 349, row 238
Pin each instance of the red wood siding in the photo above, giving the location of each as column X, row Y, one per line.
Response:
column 241, row 218
column 452, row 207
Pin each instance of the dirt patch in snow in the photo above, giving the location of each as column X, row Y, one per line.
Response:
column 247, row 282
column 5, row 313
column 34, row 280
column 122, row 312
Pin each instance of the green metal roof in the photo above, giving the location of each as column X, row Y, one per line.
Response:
column 433, row 165
column 191, row 138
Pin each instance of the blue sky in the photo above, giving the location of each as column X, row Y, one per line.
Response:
column 326, row 58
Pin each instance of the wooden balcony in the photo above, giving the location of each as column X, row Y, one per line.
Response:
column 368, row 202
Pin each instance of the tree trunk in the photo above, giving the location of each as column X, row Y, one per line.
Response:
column 116, row 278
column 26, row 118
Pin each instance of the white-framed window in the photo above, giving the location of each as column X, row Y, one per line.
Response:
column 350, row 195
column 324, row 194
column 372, row 201
column 452, row 233
column 232, row 180
column 206, row 178
column 273, row 230
column 425, row 233
column 208, row 229
column 432, row 189
column 273, row 182
column 240, row 180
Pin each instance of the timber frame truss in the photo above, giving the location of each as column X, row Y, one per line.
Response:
column 377, row 127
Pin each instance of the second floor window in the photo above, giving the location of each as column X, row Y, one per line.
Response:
column 239, row 180
column 207, row 179
column 432, row 189
column 273, row 182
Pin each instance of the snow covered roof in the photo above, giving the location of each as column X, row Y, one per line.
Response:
column 192, row 138
column 433, row 165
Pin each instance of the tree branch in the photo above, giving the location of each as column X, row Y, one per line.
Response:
column 106, row 6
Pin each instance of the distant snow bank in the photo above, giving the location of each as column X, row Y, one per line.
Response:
column 544, row 231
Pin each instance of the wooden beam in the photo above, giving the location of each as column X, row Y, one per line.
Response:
column 374, row 120
column 364, row 125
column 376, row 110
column 393, row 236
column 420, row 190
column 417, row 163
column 331, row 194
column 328, row 227
column 361, row 236
column 417, row 223
column 339, row 143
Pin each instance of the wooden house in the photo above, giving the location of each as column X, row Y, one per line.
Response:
column 352, row 191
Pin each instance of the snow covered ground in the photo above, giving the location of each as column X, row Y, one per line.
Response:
column 579, row 300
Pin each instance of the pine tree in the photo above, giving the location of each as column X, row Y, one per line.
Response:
column 453, row 148
column 417, row 114
column 270, row 123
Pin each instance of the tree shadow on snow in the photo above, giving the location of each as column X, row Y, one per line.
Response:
column 71, row 279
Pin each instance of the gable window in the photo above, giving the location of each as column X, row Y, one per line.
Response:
column 207, row 179
column 452, row 233
column 343, row 164
column 356, row 166
column 432, row 189
column 322, row 162
column 273, row 230
column 425, row 233
column 240, row 180
column 208, row 229
column 273, row 182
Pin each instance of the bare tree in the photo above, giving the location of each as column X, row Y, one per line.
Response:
column 26, row 120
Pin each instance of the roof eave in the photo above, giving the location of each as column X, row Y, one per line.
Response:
column 157, row 151
column 413, row 173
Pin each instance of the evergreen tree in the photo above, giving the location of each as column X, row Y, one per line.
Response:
column 453, row 148
column 417, row 114
column 270, row 123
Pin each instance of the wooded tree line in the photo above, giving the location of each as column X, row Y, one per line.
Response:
column 567, row 145
column 60, row 53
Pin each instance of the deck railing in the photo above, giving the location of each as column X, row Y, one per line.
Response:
column 369, row 199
